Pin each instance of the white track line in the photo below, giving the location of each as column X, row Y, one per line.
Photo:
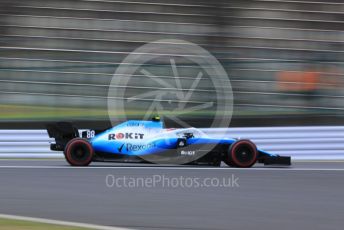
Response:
column 59, row 222
column 167, row 168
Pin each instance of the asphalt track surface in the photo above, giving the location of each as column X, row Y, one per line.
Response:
column 308, row 195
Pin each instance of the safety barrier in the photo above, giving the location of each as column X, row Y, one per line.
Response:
column 321, row 142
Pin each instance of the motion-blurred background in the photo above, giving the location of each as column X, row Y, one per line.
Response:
column 284, row 57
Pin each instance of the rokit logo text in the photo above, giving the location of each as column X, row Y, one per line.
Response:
column 119, row 136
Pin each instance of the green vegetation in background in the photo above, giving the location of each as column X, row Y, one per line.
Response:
column 46, row 113
column 6, row 224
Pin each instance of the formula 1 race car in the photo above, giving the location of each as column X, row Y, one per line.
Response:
column 149, row 142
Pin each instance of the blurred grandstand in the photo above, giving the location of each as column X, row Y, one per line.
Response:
column 284, row 57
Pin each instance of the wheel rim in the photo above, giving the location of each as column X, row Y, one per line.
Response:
column 244, row 154
column 80, row 153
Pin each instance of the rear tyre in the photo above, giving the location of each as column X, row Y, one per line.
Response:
column 79, row 152
column 242, row 154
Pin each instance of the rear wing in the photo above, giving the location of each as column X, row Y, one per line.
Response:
column 62, row 132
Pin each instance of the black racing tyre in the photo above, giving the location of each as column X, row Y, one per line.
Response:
column 242, row 154
column 79, row 152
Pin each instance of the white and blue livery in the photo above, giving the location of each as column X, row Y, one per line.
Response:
column 150, row 142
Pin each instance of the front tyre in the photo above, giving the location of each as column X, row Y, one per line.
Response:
column 79, row 152
column 241, row 154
